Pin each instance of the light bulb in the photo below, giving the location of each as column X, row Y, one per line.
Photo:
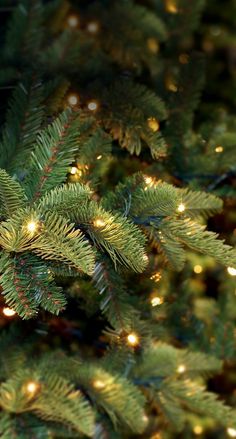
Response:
column 32, row 226
column 93, row 27
column 132, row 339
column 99, row 223
column 73, row 170
column 98, row 384
column 181, row 208
column 231, row 271
column 32, row 387
column 145, row 258
column 153, row 45
column 99, row 157
column 181, row 368
column 73, row 21
column 198, row 429
column 156, row 301
column 73, row 100
column 197, row 269
column 92, row 106
column 171, row 6
column 153, row 124
column 8, row 312
column 231, row 432
column 219, row 149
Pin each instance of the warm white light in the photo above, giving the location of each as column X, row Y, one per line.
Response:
column 99, row 157
column 231, row 432
column 73, row 21
column 145, row 258
column 181, row 208
column 72, row 100
column 99, row 223
column 153, row 124
column 156, row 277
column 93, row 27
column 32, row 226
column 156, row 301
column 219, row 149
column 74, row 170
column 171, row 6
column 198, row 429
column 181, row 368
column 92, row 106
column 197, row 269
column 231, row 271
column 8, row 312
column 32, row 387
column 98, row 384
column 133, row 339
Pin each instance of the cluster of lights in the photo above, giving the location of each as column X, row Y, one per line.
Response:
column 153, row 124
column 231, row 271
column 157, row 301
column 156, row 277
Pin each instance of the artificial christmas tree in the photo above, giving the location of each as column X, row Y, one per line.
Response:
column 112, row 322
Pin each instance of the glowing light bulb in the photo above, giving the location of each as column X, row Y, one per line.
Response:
column 32, row 387
column 8, row 312
column 171, row 6
column 231, row 432
column 32, row 226
column 132, row 339
column 99, row 157
column 73, row 170
column 181, row 368
column 153, row 124
column 197, row 269
column 181, row 208
column 145, row 258
column 73, row 100
column 73, row 21
column 219, row 149
column 156, row 277
column 198, row 430
column 98, row 384
column 92, row 106
column 99, row 223
column 153, row 45
column 145, row 419
column 231, row 271
column 93, row 27
column 156, row 301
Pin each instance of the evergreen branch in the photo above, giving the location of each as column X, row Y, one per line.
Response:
column 12, row 196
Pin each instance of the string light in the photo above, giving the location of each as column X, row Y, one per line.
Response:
column 98, row 384
column 197, row 269
column 32, row 388
column 184, row 58
column 92, row 106
column 171, row 6
column 99, row 222
column 156, row 277
column 153, row 45
column 145, row 419
column 32, row 226
column 93, row 27
column 73, row 100
column 171, row 84
column 8, row 312
column 73, row 21
column 156, row 301
column 153, row 124
column 99, row 157
column 181, row 208
column 198, row 430
column 219, row 149
column 132, row 339
column 231, row 271
column 73, row 170
column 231, row 432
column 181, row 368
column 156, row 436
column 145, row 258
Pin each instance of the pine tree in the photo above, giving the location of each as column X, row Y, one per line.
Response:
column 110, row 168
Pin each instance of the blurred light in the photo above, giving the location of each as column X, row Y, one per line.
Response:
column 171, row 6
column 99, row 157
column 133, row 339
column 32, row 387
column 73, row 170
column 198, row 429
column 156, row 277
column 156, row 301
column 8, row 312
column 219, row 149
column 153, row 45
column 98, row 384
column 181, row 368
column 99, row 222
column 181, row 208
column 197, row 269
column 92, row 106
column 32, row 226
column 184, row 58
column 73, row 100
column 231, row 432
column 153, row 124
column 231, row 271
column 93, row 27
column 73, row 21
